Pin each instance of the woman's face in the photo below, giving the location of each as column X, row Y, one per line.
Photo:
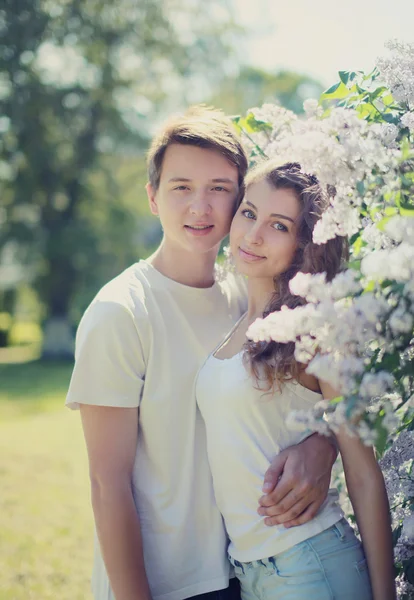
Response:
column 264, row 230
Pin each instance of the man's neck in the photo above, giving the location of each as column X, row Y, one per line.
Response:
column 194, row 270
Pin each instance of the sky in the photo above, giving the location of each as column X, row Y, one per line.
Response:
column 322, row 37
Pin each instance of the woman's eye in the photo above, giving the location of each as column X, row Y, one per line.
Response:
column 249, row 214
column 280, row 227
column 181, row 187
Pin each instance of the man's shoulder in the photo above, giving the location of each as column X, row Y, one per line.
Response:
column 120, row 302
column 128, row 290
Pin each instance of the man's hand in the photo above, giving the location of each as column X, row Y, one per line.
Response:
column 297, row 482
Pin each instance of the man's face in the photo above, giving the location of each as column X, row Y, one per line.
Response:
column 196, row 198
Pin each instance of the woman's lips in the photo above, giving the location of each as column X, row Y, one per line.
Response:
column 249, row 256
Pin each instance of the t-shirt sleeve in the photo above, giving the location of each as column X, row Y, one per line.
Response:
column 109, row 359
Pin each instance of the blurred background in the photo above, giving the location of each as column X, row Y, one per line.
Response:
column 83, row 86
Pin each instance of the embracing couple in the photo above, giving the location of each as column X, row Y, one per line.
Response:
column 197, row 483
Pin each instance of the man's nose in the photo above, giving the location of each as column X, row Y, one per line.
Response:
column 200, row 204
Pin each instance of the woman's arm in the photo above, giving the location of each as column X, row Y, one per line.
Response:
column 368, row 495
column 111, row 439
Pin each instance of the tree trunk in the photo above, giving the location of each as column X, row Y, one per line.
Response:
column 59, row 339
column 59, row 336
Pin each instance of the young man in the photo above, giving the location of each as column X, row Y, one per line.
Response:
column 139, row 347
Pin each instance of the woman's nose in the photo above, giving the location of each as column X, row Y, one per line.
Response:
column 254, row 235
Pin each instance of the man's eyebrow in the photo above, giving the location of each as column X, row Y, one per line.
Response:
column 273, row 214
column 178, row 179
column 224, row 180
column 216, row 180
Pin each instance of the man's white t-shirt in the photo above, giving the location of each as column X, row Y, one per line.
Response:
column 140, row 344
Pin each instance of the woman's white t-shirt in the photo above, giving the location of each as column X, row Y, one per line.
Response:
column 246, row 428
column 140, row 344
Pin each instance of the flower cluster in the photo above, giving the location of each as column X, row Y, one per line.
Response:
column 397, row 71
column 357, row 331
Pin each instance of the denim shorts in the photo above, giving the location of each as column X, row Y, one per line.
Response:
column 327, row 566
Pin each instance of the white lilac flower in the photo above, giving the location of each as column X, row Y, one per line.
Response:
column 389, row 133
column 394, row 263
column 367, row 435
column 407, row 120
column 303, row 420
column 397, row 70
column 282, row 326
column 400, row 229
column 340, row 372
column 400, row 320
column 375, row 384
column 341, row 218
column 344, row 284
column 305, row 349
column 312, row 108
column 311, row 287
column 374, row 238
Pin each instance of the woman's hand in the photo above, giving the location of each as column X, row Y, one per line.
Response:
column 297, row 482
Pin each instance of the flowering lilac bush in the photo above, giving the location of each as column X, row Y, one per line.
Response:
column 357, row 331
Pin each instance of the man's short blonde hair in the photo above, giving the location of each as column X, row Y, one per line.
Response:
column 200, row 126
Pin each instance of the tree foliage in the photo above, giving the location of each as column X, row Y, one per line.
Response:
column 79, row 82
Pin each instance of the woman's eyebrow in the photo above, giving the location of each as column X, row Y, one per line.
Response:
column 273, row 214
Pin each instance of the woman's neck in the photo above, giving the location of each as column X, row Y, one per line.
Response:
column 260, row 292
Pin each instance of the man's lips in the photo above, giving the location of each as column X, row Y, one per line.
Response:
column 199, row 229
column 249, row 256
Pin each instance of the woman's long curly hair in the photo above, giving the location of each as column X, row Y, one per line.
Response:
column 272, row 362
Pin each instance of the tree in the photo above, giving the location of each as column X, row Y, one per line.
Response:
column 80, row 81
column 254, row 87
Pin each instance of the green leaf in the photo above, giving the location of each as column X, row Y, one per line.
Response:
column 331, row 90
column 389, row 118
column 381, row 443
column 357, row 246
column 381, row 224
column 339, row 91
column 396, row 534
column 366, row 111
column 387, row 100
column 251, row 124
column 344, row 76
column 409, row 569
column 360, row 186
column 380, row 90
column 370, row 287
column 390, row 211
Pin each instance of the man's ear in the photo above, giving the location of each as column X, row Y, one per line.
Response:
column 152, row 201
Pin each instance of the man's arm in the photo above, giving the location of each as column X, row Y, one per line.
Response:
column 297, row 482
column 111, row 440
column 107, row 384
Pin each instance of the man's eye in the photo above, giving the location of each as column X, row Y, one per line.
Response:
column 249, row 214
column 220, row 188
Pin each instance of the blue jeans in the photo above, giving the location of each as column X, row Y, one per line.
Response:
column 327, row 566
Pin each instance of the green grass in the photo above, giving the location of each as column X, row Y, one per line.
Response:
column 46, row 526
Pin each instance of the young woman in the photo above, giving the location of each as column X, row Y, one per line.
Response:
column 245, row 390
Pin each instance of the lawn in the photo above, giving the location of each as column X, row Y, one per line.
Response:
column 46, row 528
